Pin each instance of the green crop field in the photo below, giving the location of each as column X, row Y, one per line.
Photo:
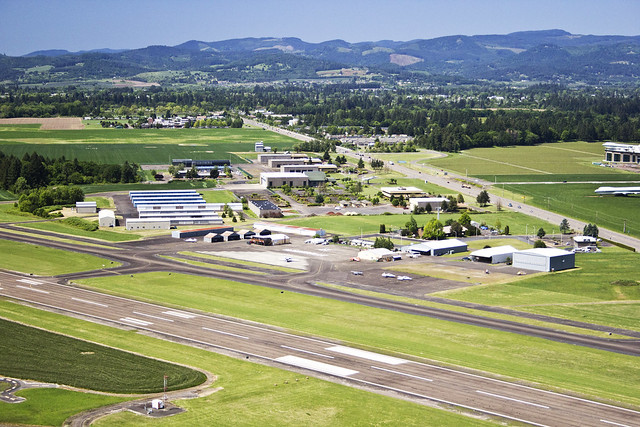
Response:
column 603, row 290
column 60, row 359
column 579, row 201
column 142, row 146
column 248, row 394
column 44, row 261
column 571, row 161
column 547, row 362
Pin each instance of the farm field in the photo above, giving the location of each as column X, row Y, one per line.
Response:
column 44, row 261
column 603, row 290
column 247, row 396
column 343, row 225
column 142, row 146
column 579, row 201
column 570, row 161
column 546, row 362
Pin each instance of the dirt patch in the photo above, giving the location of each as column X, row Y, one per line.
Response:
column 49, row 123
column 132, row 83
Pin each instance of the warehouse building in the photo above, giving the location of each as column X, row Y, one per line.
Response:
column 378, row 254
column 437, row 247
column 180, row 207
column 246, row 234
column 544, row 259
column 264, row 209
column 199, row 232
column 290, row 229
column 422, row 202
column 106, row 218
column 86, row 207
column 213, row 238
column 621, row 153
column 494, row 255
column 299, row 168
column 278, row 179
column 147, row 224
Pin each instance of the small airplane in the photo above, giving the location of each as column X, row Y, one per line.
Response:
column 388, row 275
column 191, row 240
column 288, row 259
column 357, row 273
column 404, row 278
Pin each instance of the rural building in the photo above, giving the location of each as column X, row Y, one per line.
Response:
column 264, row 209
column 278, row 179
column 584, row 241
column 299, row 168
column 422, row 202
column 378, row 254
column 621, row 153
column 214, row 237
column 199, row 232
column 437, row 247
column 86, row 207
column 291, row 229
column 494, row 255
column 402, row 191
column 147, row 224
column 106, row 218
column 544, row 259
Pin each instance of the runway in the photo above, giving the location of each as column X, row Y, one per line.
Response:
column 324, row 358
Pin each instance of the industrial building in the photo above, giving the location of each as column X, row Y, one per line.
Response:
column 544, row 259
column 494, row 255
column 147, row 224
column 422, row 202
column 437, row 247
column 106, row 218
column 278, row 179
column 180, row 207
column 621, row 153
column 299, row 168
column 264, row 209
column 86, row 207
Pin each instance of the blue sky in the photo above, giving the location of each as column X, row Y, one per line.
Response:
column 29, row 25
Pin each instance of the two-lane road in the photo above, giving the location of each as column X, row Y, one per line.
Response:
column 324, row 358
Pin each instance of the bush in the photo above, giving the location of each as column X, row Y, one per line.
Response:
column 80, row 223
column 539, row 244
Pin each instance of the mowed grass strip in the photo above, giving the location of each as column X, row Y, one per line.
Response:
column 65, row 229
column 44, row 261
column 241, row 262
column 249, row 394
column 590, row 294
column 553, row 364
column 35, row 354
column 9, row 213
column 210, row 265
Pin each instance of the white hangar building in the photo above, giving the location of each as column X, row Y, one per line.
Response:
column 544, row 259
column 437, row 247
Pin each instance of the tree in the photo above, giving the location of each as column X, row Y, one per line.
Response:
column 541, row 233
column 465, row 219
column 360, row 163
column 433, row 230
column 564, row 226
column 383, row 228
column 192, row 173
column 591, row 230
column 506, row 230
column 483, row 198
column 539, row 244
column 382, row 242
column 214, row 173
column 412, row 227
column 460, row 199
column 456, row 229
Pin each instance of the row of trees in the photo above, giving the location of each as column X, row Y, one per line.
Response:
column 36, row 171
column 36, row 201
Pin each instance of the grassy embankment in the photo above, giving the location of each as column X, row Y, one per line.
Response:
column 550, row 363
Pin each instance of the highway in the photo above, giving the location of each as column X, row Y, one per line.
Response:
column 332, row 360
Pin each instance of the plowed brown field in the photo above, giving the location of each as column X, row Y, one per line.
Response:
column 52, row 123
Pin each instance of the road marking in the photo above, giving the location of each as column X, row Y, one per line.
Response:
column 615, row 424
column 135, row 321
column 89, row 302
column 29, row 281
column 298, row 251
column 316, row 366
column 152, row 316
column 307, row 351
column 512, row 399
column 32, row 289
column 402, row 373
column 369, row 355
column 180, row 314
column 225, row 333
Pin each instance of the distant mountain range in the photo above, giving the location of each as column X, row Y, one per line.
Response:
column 552, row 55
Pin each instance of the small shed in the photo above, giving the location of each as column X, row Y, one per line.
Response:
column 214, row 237
column 494, row 255
column 106, row 218
column 86, row 207
column 157, row 404
column 544, row 259
column 378, row 254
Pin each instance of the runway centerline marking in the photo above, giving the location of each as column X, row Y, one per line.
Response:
column 369, row 355
column 180, row 314
column 402, row 373
column 135, row 321
column 225, row 333
column 316, row 366
column 614, row 423
column 152, row 316
column 512, row 399
column 29, row 281
column 307, row 351
column 32, row 289
column 89, row 302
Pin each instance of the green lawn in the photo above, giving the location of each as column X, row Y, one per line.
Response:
column 10, row 214
column 6, row 195
column 43, row 261
column 59, row 227
column 248, row 395
column 544, row 162
column 219, row 196
column 59, row 359
column 240, row 262
column 589, row 293
column 101, row 202
column 550, row 363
